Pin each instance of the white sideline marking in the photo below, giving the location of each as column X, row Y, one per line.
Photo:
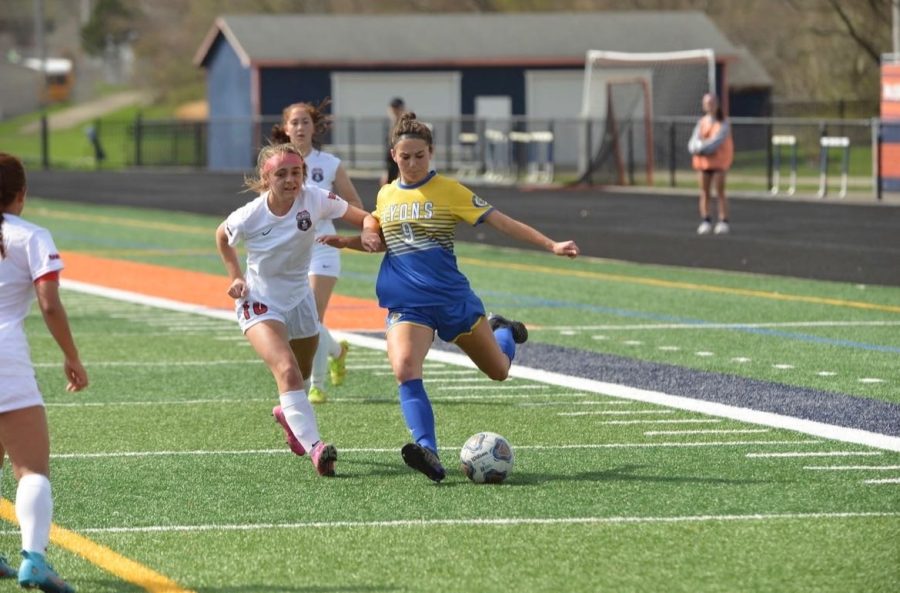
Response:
column 393, row 450
column 820, row 429
column 885, row 481
column 853, row 467
column 502, row 522
column 817, row 454
column 735, row 431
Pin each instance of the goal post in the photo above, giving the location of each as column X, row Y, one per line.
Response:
column 629, row 93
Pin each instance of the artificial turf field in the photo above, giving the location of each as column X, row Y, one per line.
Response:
column 169, row 473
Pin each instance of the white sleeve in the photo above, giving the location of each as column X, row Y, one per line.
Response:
column 333, row 205
column 43, row 256
column 234, row 226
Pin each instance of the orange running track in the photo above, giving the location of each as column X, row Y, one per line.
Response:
column 198, row 288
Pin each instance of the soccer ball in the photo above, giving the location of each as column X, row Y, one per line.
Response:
column 486, row 458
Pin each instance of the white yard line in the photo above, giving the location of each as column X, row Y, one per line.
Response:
column 393, row 450
column 677, row 432
column 487, row 522
column 817, row 454
column 853, row 467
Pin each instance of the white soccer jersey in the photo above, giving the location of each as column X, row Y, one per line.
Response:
column 279, row 248
column 30, row 254
column 321, row 169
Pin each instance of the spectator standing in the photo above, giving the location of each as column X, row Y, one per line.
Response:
column 395, row 109
column 713, row 152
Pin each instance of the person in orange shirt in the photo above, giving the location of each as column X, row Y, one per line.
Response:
column 713, row 151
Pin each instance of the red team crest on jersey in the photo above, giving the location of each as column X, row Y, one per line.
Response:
column 332, row 196
column 304, row 222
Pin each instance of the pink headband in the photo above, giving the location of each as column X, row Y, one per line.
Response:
column 288, row 159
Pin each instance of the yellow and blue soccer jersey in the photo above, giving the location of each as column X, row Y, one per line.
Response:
column 419, row 223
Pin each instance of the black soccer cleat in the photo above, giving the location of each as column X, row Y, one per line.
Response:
column 519, row 331
column 423, row 460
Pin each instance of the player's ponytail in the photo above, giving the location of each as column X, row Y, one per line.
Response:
column 278, row 135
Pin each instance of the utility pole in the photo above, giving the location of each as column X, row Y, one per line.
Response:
column 895, row 10
column 41, row 45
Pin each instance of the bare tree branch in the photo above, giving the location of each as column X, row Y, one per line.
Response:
column 861, row 40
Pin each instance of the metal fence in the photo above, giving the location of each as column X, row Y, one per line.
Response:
column 563, row 150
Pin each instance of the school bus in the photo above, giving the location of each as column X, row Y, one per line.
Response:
column 59, row 77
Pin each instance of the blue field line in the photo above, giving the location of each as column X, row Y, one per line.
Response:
column 519, row 301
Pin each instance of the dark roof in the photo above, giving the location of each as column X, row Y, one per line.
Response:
column 528, row 39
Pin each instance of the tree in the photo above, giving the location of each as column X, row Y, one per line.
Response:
column 112, row 21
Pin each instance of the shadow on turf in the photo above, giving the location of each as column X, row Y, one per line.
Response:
column 619, row 474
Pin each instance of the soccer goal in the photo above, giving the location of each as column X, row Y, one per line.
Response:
column 625, row 97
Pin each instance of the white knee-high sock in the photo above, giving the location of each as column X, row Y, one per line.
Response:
column 300, row 417
column 34, row 509
column 334, row 347
column 320, row 360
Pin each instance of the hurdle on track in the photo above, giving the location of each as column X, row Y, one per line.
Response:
column 826, row 143
column 777, row 143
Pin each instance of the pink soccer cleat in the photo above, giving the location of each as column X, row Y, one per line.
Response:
column 323, row 457
column 289, row 437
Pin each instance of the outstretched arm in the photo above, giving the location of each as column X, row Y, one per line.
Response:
column 526, row 234
column 238, row 288
column 369, row 239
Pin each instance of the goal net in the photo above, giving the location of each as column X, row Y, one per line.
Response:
column 625, row 96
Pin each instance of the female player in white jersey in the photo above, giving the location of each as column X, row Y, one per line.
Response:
column 303, row 125
column 29, row 266
column 424, row 291
column 275, row 307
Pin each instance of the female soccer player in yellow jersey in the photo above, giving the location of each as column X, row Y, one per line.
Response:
column 422, row 288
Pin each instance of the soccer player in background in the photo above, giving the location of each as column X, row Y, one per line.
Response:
column 395, row 108
column 420, row 284
column 275, row 307
column 303, row 125
column 29, row 266
column 713, row 152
